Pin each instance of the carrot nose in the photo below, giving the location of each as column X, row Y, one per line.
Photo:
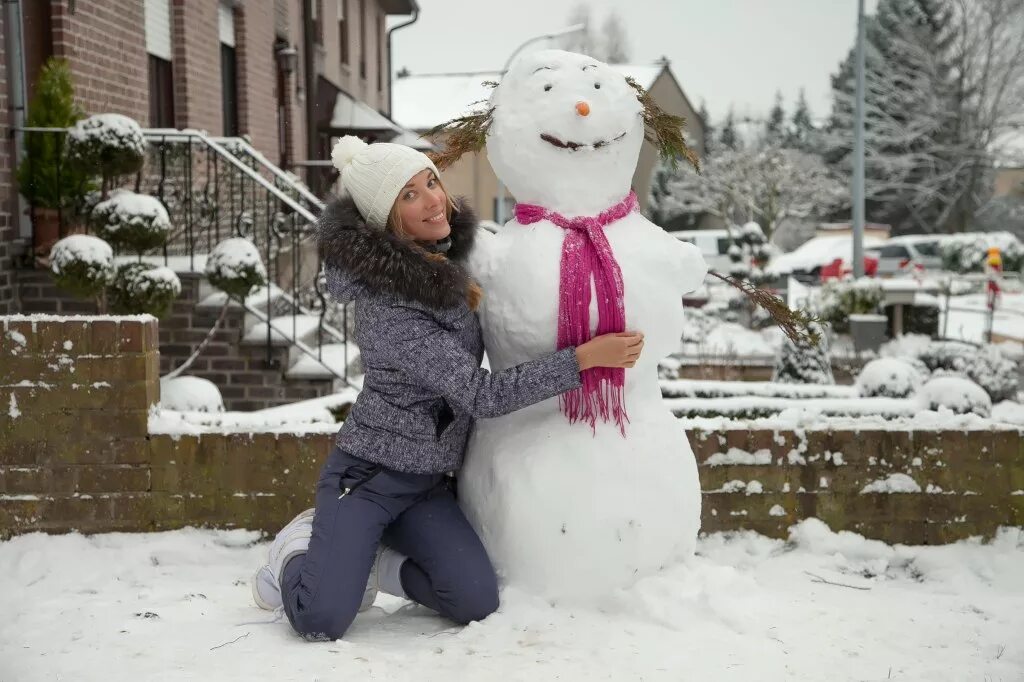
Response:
column 582, row 108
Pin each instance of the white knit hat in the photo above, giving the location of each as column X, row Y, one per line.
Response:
column 374, row 174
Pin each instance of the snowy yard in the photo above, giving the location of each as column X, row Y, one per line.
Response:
column 825, row 606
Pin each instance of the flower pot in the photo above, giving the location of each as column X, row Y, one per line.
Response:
column 868, row 331
column 46, row 231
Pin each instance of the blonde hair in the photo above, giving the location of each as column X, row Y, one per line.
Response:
column 474, row 294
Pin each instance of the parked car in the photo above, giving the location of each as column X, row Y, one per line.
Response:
column 901, row 255
column 822, row 256
column 713, row 245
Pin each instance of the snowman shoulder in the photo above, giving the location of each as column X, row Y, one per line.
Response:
column 692, row 264
column 480, row 261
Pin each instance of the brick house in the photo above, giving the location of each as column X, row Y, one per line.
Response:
column 289, row 75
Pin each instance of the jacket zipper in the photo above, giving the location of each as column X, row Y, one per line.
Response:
column 376, row 469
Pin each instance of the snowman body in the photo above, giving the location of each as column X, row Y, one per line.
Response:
column 565, row 510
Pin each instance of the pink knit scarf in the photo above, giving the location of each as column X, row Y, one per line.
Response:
column 587, row 254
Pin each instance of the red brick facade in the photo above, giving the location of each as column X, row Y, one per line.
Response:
column 257, row 76
column 197, row 77
column 8, row 226
column 105, row 42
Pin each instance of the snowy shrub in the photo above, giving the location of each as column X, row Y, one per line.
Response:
column 143, row 288
column 82, row 264
column 110, row 143
column 985, row 366
column 235, row 267
column 190, row 394
column 1009, row 412
column 840, row 299
column 968, row 253
column 889, row 378
column 804, row 363
column 956, row 394
column 137, row 222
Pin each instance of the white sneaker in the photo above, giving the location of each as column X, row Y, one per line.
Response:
column 292, row 540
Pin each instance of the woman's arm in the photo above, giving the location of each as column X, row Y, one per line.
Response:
column 411, row 340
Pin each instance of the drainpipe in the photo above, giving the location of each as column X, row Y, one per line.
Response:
column 308, row 68
column 16, row 69
column 415, row 16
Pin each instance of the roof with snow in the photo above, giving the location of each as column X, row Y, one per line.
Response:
column 422, row 101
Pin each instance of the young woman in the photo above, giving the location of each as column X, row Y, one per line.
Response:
column 385, row 516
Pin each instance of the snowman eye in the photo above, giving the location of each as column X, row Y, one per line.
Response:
column 597, row 86
column 547, row 87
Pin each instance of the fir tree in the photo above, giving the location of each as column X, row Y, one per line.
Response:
column 801, row 131
column 707, row 129
column 804, row 363
column 728, row 138
column 774, row 126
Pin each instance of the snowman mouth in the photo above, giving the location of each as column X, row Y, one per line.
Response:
column 576, row 146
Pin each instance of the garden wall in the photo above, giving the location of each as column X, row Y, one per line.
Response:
column 75, row 454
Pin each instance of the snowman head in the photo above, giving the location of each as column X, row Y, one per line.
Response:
column 566, row 132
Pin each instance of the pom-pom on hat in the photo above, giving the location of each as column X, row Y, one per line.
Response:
column 374, row 174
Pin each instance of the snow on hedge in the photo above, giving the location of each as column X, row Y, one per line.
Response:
column 81, row 248
column 889, row 378
column 112, row 130
column 956, row 394
column 235, row 266
column 127, row 210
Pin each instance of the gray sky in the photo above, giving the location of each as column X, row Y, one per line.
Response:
column 725, row 52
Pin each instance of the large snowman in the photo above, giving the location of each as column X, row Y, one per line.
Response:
column 574, row 502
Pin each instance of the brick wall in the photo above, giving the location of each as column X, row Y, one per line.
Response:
column 8, row 225
column 257, row 76
column 241, row 372
column 105, row 43
column 197, row 77
column 75, row 454
column 75, row 396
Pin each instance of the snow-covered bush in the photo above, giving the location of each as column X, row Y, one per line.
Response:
column 986, row 366
column 138, row 222
column 143, row 288
column 235, row 267
column 804, row 363
column 190, row 394
column 893, row 483
column 840, row 299
column 968, row 253
column 109, row 143
column 889, row 378
column 955, row 393
column 82, row 264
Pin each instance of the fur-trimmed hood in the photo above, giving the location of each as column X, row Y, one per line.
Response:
column 362, row 259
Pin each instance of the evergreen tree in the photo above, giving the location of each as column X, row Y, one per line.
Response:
column 708, row 130
column 774, row 126
column 801, row 131
column 616, row 45
column 804, row 363
column 911, row 108
column 728, row 138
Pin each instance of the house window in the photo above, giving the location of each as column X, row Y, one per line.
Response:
column 343, row 30
column 362, row 38
column 317, row 9
column 380, row 52
column 229, row 88
column 161, row 93
column 228, row 70
column 158, row 48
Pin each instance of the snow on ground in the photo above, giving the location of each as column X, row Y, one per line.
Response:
column 968, row 317
column 825, row 606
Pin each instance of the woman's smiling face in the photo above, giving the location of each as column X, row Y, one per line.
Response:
column 422, row 207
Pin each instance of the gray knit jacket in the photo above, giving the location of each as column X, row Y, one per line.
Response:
column 421, row 346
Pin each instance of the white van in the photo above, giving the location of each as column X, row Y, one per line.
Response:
column 713, row 245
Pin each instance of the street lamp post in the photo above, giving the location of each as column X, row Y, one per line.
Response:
column 499, row 210
column 858, row 152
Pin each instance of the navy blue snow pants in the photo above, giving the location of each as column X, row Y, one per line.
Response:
column 415, row 514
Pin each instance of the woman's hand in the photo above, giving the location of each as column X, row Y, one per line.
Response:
column 619, row 350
